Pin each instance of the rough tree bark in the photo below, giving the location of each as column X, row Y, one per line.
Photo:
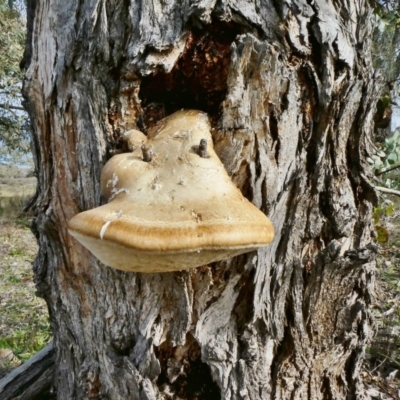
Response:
column 290, row 91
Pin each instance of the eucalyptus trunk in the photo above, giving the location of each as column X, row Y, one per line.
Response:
column 290, row 92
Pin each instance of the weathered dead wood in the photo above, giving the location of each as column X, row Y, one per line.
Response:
column 386, row 190
column 32, row 380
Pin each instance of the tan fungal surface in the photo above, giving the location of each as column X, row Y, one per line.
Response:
column 177, row 211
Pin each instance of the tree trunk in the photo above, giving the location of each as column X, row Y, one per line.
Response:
column 290, row 92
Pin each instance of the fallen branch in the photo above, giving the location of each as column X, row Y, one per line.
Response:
column 386, row 190
column 33, row 379
column 380, row 188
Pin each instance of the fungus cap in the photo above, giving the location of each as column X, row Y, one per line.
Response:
column 178, row 211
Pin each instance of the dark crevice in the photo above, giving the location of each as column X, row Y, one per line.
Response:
column 248, row 25
column 279, row 6
column 316, row 51
column 122, row 346
column 331, row 151
column 243, row 309
column 274, row 131
column 289, row 180
column 310, row 82
column 285, row 100
column 199, row 78
column 266, row 203
column 339, row 65
column 351, row 364
column 184, row 373
column 241, row 178
column 283, row 352
column 353, row 157
column 326, row 211
column 311, row 123
column 312, row 153
column 290, row 216
column 326, row 389
column 362, row 190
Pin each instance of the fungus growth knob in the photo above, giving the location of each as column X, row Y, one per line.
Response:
column 203, row 148
column 147, row 153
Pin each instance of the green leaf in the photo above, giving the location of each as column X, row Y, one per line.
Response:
column 395, row 136
column 381, row 154
column 378, row 164
column 392, row 158
column 389, row 210
column 12, row 39
column 378, row 210
column 382, row 25
column 385, row 101
column 390, row 147
column 383, row 234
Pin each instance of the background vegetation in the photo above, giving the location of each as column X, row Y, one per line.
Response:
column 24, row 323
column 383, row 359
column 14, row 138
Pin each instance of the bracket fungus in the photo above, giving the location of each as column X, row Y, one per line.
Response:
column 172, row 205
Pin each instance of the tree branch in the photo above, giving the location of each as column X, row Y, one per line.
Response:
column 386, row 190
column 380, row 188
column 388, row 170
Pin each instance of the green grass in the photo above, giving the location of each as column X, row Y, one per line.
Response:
column 13, row 198
column 11, row 172
column 11, row 208
column 24, row 321
column 28, row 340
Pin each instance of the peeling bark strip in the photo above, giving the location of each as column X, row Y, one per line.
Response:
column 289, row 86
